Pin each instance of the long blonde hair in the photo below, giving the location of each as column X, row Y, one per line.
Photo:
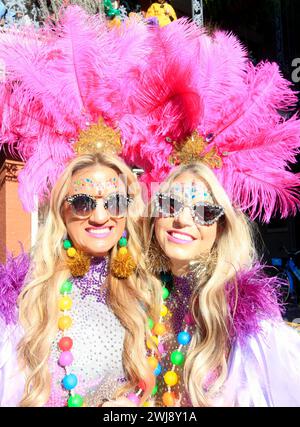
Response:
column 233, row 250
column 129, row 299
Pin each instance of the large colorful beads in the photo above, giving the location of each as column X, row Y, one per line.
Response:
column 152, row 343
column 65, row 343
column 69, row 381
column 150, row 323
column 123, row 251
column 157, row 370
column 64, row 322
column 154, row 391
column 66, row 287
column 165, row 293
column 171, row 378
column 168, row 399
column 159, row 329
column 65, row 358
column 75, row 401
column 67, row 244
column 177, row 358
column 65, row 303
column 142, row 385
column 153, row 362
column 134, row 398
column 183, row 338
column 163, row 310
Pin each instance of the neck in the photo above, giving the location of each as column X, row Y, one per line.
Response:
column 179, row 268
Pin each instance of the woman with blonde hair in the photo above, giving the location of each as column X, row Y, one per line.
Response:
column 216, row 138
column 221, row 339
column 80, row 335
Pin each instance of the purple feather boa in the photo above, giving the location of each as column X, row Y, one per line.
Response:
column 12, row 276
column 257, row 299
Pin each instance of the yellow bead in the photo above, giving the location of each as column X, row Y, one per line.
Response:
column 168, row 399
column 153, row 362
column 71, row 252
column 150, row 344
column 159, row 329
column 171, row 378
column 146, row 404
column 123, row 251
column 163, row 311
column 65, row 303
column 64, row 322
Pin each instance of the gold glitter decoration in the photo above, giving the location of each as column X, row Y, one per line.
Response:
column 79, row 265
column 99, row 138
column 122, row 266
column 191, row 149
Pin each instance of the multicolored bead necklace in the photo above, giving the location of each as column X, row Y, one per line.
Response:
column 177, row 357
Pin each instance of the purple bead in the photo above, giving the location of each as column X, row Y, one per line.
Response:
column 124, row 234
column 189, row 319
column 65, row 358
column 134, row 398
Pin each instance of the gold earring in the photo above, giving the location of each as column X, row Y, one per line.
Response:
column 77, row 261
column 123, row 265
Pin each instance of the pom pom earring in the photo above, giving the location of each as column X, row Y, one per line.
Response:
column 78, row 262
column 123, row 265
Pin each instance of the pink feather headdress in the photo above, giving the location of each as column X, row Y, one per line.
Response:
column 58, row 82
column 200, row 98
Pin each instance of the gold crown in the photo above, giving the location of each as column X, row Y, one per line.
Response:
column 192, row 149
column 99, row 138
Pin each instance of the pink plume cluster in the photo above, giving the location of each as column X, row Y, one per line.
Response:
column 207, row 83
column 59, row 80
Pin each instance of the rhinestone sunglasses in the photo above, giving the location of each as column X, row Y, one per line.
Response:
column 83, row 204
column 203, row 213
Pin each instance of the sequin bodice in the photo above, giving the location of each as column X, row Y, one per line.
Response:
column 97, row 342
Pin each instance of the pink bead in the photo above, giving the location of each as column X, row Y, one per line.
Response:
column 189, row 319
column 65, row 358
column 161, row 348
column 134, row 398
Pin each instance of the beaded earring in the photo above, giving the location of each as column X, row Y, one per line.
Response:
column 123, row 265
column 78, row 262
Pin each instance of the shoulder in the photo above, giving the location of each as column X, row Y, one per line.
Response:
column 252, row 298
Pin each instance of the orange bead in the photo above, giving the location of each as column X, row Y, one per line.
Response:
column 168, row 399
column 171, row 378
column 159, row 329
column 64, row 322
column 153, row 362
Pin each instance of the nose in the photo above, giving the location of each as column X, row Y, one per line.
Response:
column 99, row 215
column 185, row 218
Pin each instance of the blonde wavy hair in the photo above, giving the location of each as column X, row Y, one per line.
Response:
column 129, row 299
column 233, row 249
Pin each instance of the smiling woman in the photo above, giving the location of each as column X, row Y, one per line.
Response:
column 94, row 208
column 220, row 328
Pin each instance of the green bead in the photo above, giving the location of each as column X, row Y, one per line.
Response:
column 123, row 242
column 150, row 323
column 177, row 358
column 154, row 391
column 166, row 277
column 75, row 401
column 67, row 244
column 165, row 293
column 66, row 287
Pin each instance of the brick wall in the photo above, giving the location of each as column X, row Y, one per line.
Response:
column 15, row 223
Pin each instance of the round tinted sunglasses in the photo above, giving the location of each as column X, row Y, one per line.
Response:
column 83, row 204
column 203, row 213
